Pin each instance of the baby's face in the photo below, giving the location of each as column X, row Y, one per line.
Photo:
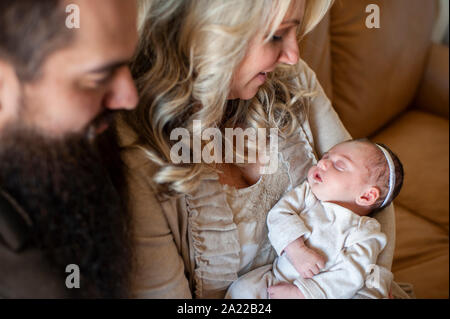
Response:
column 342, row 174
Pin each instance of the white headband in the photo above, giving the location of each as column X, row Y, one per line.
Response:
column 391, row 174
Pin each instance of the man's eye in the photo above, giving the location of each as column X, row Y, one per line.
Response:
column 96, row 81
column 103, row 79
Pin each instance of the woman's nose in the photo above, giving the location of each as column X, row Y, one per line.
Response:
column 290, row 52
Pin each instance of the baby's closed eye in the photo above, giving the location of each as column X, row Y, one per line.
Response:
column 339, row 165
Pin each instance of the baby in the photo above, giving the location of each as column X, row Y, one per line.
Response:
column 320, row 230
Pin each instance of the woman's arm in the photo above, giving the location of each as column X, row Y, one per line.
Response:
column 159, row 269
column 325, row 129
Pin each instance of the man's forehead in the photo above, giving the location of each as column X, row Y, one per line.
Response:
column 107, row 31
column 107, row 22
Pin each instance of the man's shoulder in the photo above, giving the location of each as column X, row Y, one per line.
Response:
column 28, row 274
column 25, row 271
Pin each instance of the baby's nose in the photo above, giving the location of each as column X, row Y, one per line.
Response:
column 324, row 164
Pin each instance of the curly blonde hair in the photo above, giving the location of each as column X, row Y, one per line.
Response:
column 186, row 57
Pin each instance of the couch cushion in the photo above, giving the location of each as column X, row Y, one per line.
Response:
column 421, row 255
column 315, row 51
column 432, row 95
column 375, row 72
column 421, row 141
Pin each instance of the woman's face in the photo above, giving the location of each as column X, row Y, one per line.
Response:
column 262, row 58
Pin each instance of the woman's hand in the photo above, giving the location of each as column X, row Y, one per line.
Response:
column 284, row 291
column 306, row 261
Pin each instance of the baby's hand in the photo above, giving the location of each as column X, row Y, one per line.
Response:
column 284, row 291
column 306, row 261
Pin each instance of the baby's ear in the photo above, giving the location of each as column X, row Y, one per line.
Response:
column 368, row 197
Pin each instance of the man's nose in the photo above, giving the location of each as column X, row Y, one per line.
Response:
column 122, row 93
column 290, row 52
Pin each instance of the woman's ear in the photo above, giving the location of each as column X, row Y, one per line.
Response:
column 368, row 197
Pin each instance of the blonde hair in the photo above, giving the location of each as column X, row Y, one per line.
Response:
column 186, row 57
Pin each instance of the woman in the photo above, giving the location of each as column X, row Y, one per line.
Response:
column 228, row 64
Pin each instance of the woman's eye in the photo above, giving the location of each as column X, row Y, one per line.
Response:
column 277, row 38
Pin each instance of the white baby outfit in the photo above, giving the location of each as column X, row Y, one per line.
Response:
column 350, row 243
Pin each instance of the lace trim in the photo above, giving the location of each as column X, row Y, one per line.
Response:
column 214, row 238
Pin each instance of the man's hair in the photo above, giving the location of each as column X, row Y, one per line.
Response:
column 29, row 31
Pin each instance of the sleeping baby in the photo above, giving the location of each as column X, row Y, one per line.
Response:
column 325, row 240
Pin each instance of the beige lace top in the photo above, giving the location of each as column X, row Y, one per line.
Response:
column 248, row 215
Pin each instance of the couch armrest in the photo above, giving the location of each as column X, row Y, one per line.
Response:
column 432, row 95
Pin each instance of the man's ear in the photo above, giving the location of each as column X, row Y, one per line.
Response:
column 2, row 76
column 368, row 197
column 5, row 69
column 10, row 90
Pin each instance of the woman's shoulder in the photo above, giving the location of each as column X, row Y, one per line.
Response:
column 140, row 170
column 134, row 157
column 307, row 76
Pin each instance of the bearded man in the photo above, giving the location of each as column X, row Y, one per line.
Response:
column 59, row 205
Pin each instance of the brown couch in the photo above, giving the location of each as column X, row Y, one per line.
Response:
column 391, row 84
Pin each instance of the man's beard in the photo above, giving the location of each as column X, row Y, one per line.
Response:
column 78, row 215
